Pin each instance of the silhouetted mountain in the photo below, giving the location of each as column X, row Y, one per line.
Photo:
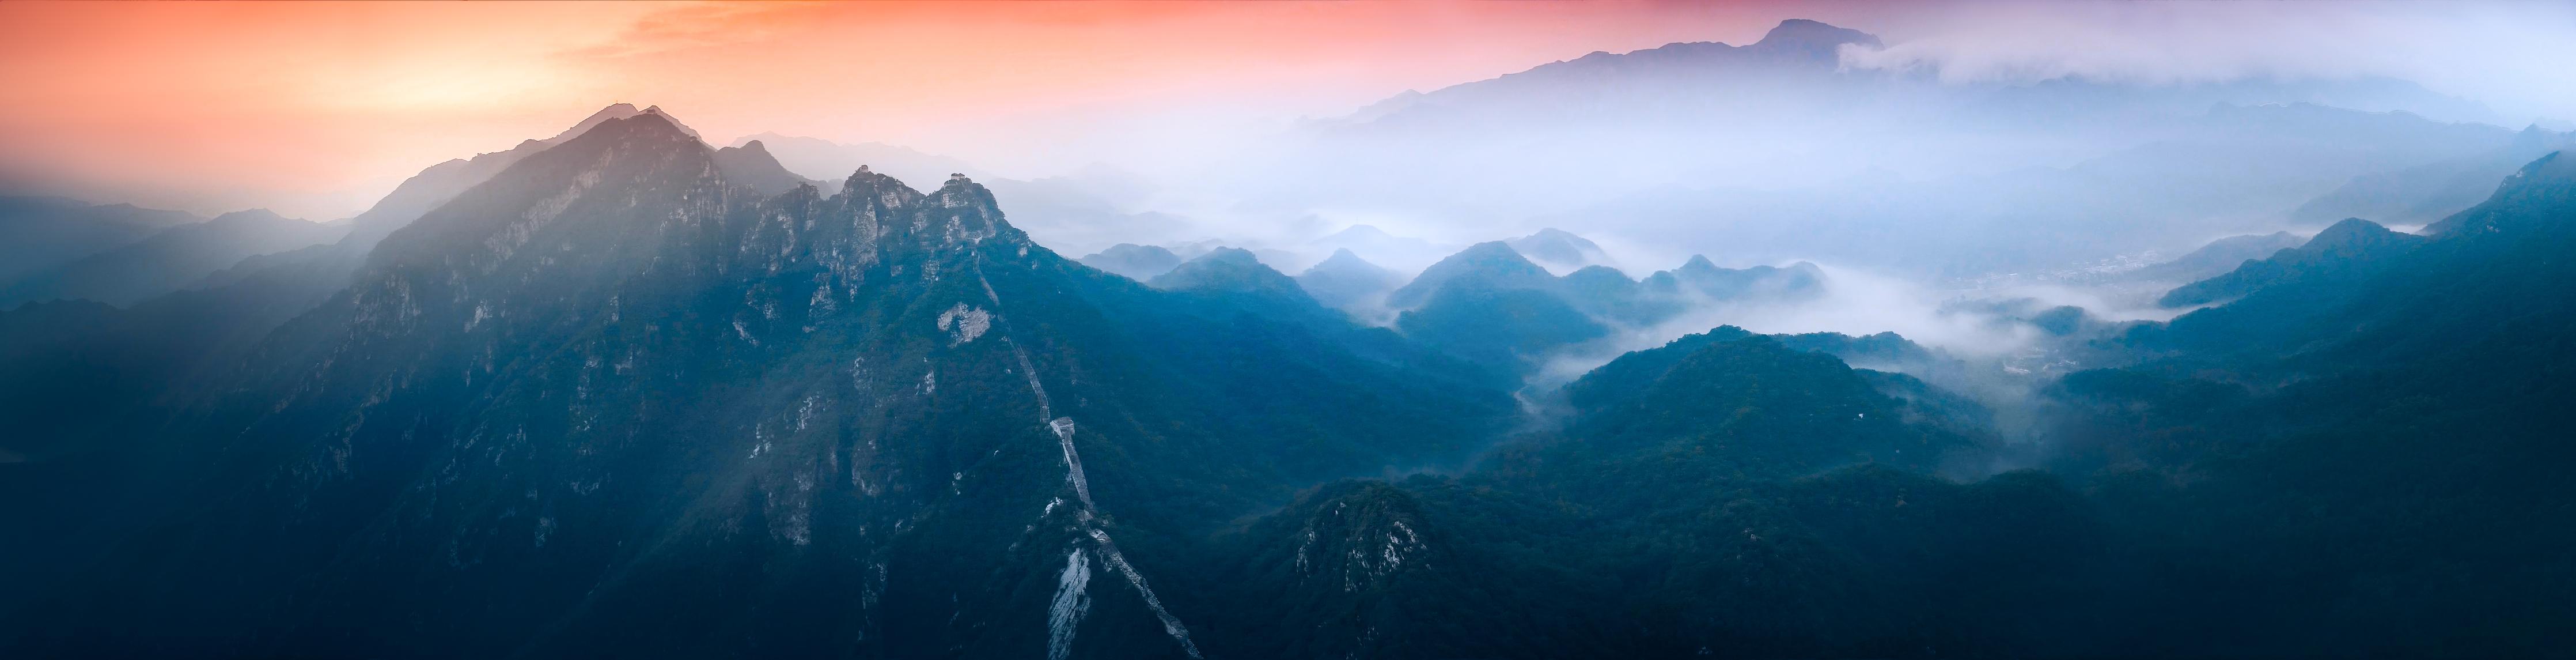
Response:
column 1491, row 265
column 1702, row 277
column 2340, row 256
column 751, row 165
column 2218, row 257
column 1232, row 271
column 1345, row 281
column 2430, row 191
column 170, row 260
column 1135, row 262
column 1654, row 81
column 38, row 233
column 2392, row 429
column 1607, row 293
column 1822, row 408
column 1399, row 253
column 1505, row 329
column 444, row 181
column 1559, row 248
column 1790, row 151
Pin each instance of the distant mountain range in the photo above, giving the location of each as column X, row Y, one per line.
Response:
column 169, row 260
column 38, row 233
column 1784, row 149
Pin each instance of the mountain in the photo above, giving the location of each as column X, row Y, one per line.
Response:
column 561, row 408
column 1689, row 390
column 1492, row 306
column 751, row 165
column 2351, row 250
column 2398, row 428
column 1490, row 265
column 1508, row 330
column 1815, row 143
column 1238, row 274
column 1378, row 246
column 2430, row 191
column 1136, row 262
column 2343, row 461
column 169, row 260
column 611, row 401
column 817, row 157
column 2218, row 257
column 1560, row 249
column 1703, row 277
column 1655, row 82
column 38, row 233
column 1345, row 281
column 1090, row 209
column 1714, row 479
column 434, row 186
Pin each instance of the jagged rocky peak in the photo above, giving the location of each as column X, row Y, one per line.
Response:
column 624, row 175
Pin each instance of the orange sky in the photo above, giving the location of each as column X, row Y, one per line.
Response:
column 316, row 108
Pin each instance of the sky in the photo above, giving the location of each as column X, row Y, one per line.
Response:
column 317, row 109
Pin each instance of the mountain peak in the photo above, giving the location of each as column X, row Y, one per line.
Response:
column 252, row 215
column 1345, row 279
column 1341, row 257
column 1229, row 270
column 752, row 165
column 2350, row 230
column 1491, row 264
column 614, row 111
column 657, row 111
column 1135, row 262
column 2552, row 168
column 1813, row 39
column 2546, row 182
column 1496, row 250
column 645, row 125
column 1559, row 247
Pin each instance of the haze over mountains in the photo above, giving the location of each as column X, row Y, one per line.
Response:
column 626, row 392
